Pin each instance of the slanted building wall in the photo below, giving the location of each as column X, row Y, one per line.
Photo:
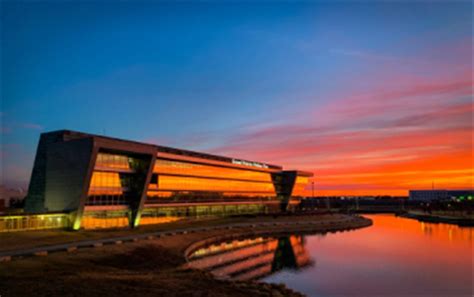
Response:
column 35, row 200
column 67, row 174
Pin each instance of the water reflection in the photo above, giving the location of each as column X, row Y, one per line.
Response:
column 394, row 257
column 452, row 233
column 252, row 259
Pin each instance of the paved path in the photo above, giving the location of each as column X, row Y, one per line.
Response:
column 44, row 250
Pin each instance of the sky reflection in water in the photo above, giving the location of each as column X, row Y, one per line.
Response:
column 394, row 257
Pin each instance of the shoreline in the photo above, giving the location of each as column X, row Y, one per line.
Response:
column 131, row 267
column 433, row 218
column 42, row 242
column 302, row 229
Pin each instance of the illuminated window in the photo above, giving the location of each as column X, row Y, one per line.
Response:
column 204, row 184
column 191, row 169
column 106, row 180
column 299, row 189
column 105, row 160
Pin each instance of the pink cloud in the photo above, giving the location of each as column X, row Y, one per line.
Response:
column 401, row 123
column 402, row 98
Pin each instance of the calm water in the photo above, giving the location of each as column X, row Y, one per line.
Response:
column 394, row 257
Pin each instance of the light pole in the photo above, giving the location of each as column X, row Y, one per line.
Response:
column 312, row 189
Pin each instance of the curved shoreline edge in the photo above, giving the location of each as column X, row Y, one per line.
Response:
column 432, row 218
column 354, row 222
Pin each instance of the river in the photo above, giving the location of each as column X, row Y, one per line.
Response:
column 394, row 257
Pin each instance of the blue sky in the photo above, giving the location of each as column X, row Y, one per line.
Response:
column 205, row 75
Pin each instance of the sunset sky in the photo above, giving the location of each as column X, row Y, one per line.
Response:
column 373, row 97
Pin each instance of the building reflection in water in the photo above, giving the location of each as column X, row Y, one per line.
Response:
column 252, row 259
column 452, row 233
column 442, row 232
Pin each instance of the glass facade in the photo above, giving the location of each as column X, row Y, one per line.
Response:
column 180, row 188
column 33, row 222
column 105, row 219
column 299, row 189
column 164, row 214
column 105, row 180
column 112, row 179
column 112, row 161
column 185, row 168
column 183, row 181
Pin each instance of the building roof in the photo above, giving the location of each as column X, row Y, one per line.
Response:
column 70, row 134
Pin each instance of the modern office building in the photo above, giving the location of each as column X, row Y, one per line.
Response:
column 105, row 182
column 431, row 195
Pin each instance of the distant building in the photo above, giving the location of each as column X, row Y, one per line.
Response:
column 431, row 195
column 461, row 194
